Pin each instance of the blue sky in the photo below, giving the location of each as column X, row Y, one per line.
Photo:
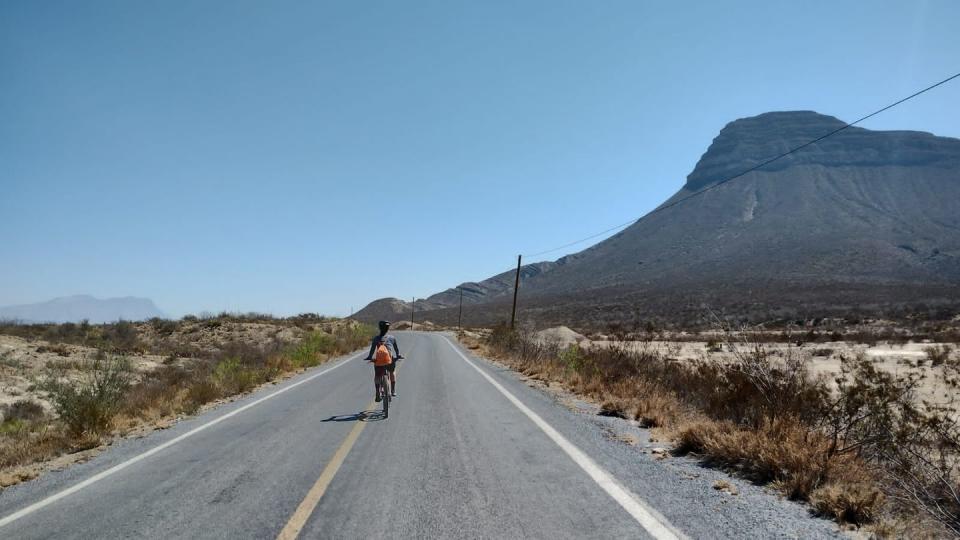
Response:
column 312, row 156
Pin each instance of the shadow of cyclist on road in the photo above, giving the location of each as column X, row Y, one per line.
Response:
column 362, row 416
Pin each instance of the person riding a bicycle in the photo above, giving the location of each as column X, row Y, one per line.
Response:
column 384, row 362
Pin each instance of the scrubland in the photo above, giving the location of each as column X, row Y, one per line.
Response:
column 68, row 389
column 870, row 440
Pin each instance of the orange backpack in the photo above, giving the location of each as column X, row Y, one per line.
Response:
column 382, row 356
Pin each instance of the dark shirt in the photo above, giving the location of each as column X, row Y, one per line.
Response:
column 389, row 341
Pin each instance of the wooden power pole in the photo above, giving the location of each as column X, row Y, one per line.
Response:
column 413, row 310
column 460, row 313
column 516, row 287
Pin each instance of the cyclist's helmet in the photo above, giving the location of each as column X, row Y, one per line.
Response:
column 384, row 325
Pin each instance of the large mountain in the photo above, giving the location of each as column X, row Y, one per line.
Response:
column 860, row 221
column 83, row 307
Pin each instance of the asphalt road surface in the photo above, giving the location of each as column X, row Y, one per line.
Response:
column 470, row 450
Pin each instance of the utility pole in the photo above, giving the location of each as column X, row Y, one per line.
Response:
column 460, row 314
column 413, row 309
column 516, row 286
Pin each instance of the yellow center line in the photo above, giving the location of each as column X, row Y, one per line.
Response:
column 299, row 518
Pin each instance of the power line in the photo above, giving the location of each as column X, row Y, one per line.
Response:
column 592, row 236
column 750, row 170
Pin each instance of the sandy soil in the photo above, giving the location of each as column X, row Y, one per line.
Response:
column 210, row 336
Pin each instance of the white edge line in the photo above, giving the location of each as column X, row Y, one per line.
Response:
column 120, row 466
column 647, row 517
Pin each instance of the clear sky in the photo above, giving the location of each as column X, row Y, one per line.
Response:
column 312, row 156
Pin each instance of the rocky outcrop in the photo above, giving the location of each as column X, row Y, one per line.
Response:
column 862, row 218
column 750, row 141
column 384, row 309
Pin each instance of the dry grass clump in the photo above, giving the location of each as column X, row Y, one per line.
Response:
column 861, row 449
column 787, row 454
column 853, row 501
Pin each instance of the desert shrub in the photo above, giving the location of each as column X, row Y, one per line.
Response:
column 57, row 349
column 179, row 348
column 855, row 502
column 877, row 417
column 164, row 327
column 87, row 406
column 352, row 336
column 231, row 376
column 156, row 395
column 22, row 410
column 58, row 364
column 201, row 392
column 313, row 349
column 7, row 359
column 938, row 354
column 251, row 355
column 573, row 358
column 27, row 442
column 780, row 451
column 120, row 337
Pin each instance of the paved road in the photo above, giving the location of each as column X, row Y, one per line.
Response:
column 469, row 451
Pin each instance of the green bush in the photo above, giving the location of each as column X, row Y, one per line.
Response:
column 313, row 350
column 233, row 377
column 573, row 358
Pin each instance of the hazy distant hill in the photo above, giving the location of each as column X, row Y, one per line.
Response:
column 866, row 220
column 83, row 307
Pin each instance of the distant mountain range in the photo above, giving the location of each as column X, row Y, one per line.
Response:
column 83, row 307
column 861, row 222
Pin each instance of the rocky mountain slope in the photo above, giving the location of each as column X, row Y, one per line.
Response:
column 863, row 220
column 83, row 307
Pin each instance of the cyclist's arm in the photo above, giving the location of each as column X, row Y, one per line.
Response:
column 373, row 346
column 396, row 348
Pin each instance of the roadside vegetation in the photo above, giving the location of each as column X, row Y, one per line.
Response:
column 860, row 447
column 92, row 400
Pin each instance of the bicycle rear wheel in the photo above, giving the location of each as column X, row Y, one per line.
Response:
column 384, row 382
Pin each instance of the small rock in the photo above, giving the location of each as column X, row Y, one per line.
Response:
column 660, row 453
column 726, row 487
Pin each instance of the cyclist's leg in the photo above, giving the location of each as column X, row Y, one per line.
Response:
column 377, row 373
column 392, row 368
